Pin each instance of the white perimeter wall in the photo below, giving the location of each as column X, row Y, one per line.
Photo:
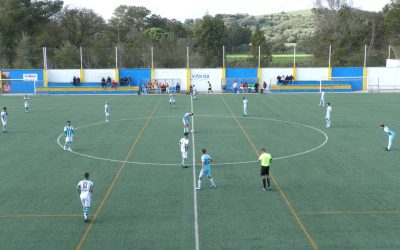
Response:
column 62, row 75
column 172, row 74
column 95, row 75
column 200, row 78
column 312, row 74
column 384, row 76
column 269, row 74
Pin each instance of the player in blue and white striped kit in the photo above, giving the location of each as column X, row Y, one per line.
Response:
column 185, row 121
column 206, row 160
column 69, row 136
column 390, row 134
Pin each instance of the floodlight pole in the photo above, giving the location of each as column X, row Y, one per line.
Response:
column 294, row 56
column 187, row 57
column 80, row 52
column 223, row 56
column 365, row 56
column 116, row 57
column 259, row 56
column 389, row 53
column 152, row 57
column 330, row 55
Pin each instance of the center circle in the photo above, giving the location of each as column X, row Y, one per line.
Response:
column 214, row 116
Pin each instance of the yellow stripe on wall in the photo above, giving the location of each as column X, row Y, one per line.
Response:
column 45, row 80
column 294, row 73
column 152, row 74
column 187, row 79
column 365, row 75
column 329, row 74
column 82, row 75
column 116, row 74
column 259, row 76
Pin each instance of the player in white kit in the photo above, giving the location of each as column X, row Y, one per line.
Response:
column 328, row 115
column 245, row 102
column 322, row 100
column 69, row 135
column 390, row 134
column 26, row 103
column 172, row 99
column 107, row 111
column 184, row 146
column 85, row 190
column 4, row 118
column 194, row 92
column 185, row 121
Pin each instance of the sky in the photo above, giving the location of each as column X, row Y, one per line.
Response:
column 181, row 9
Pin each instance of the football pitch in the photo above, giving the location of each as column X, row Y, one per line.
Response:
column 333, row 188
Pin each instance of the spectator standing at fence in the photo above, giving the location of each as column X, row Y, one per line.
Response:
column 235, row 87
column 178, row 87
column 114, row 85
column 390, row 134
column 256, row 86
column 109, row 80
column 264, row 88
column 322, row 100
column 78, row 81
column 74, row 81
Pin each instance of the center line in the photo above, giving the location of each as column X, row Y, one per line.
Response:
column 196, row 219
column 103, row 201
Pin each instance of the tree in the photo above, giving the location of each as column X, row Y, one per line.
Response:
column 19, row 17
column 258, row 41
column 210, row 37
column 236, row 36
column 391, row 18
column 78, row 26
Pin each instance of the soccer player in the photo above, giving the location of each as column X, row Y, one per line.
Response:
column 172, row 98
column 206, row 160
column 26, row 103
column 85, row 190
column 209, row 87
column 245, row 102
column 390, row 134
column 322, row 100
column 69, row 135
column 107, row 111
column 185, row 121
column 328, row 115
column 194, row 92
column 184, row 146
column 4, row 118
column 265, row 161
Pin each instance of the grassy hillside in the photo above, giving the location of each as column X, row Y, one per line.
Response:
column 280, row 28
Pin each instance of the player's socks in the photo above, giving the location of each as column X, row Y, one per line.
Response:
column 264, row 183
column 198, row 184
column 212, row 182
column 269, row 184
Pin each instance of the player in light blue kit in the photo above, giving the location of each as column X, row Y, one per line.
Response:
column 390, row 133
column 185, row 121
column 206, row 160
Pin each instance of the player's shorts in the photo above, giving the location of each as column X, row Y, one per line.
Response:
column 85, row 199
column 264, row 171
column 184, row 154
column 4, row 122
column 185, row 123
column 69, row 139
column 26, row 105
column 107, row 114
column 206, row 172
column 171, row 99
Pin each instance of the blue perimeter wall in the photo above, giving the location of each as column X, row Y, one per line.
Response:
column 239, row 75
column 356, row 84
column 137, row 75
column 20, row 87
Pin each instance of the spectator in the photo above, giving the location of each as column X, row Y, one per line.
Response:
column 178, row 87
column 235, row 87
column 256, row 86
column 264, row 88
column 287, row 80
column 130, row 81
column 291, row 78
column 103, row 82
column 78, row 80
column 279, row 80
column 108, row 80
column 114, row 85
column 74, row 81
